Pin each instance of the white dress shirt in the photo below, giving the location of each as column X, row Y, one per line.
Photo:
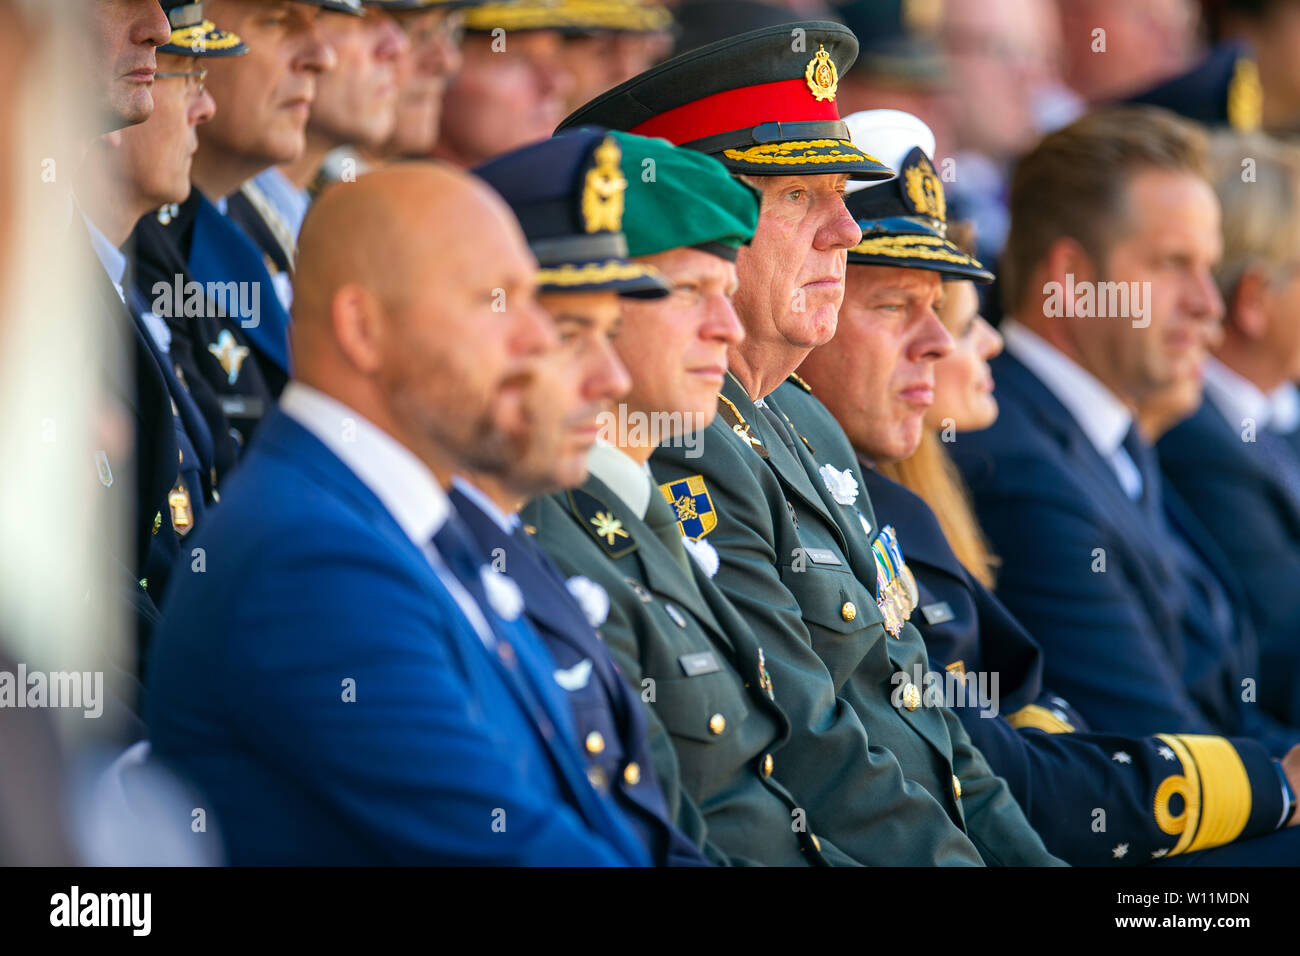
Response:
column 632, row 482
column 1104, row 419
column 402, row 483
column 506, row 522
column 1238, row 399
column 1284, row 402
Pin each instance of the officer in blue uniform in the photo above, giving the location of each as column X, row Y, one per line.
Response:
column 1060, row 773
column 236, row 343
column 567, row 193
column 118, row 182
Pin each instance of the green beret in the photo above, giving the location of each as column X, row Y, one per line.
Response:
column 680, row 197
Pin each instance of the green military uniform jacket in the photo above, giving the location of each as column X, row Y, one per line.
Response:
column 715, row 731
column 799, row 567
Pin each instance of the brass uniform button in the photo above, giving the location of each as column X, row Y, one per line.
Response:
column 911, row 696
column 632, row 774
column 597, row 778
column 849, row 611
column 144, row 584
column 595, row 742
column 157, row 522
column 717, row 723
column 956, row 786
column 180, row 456
column 767, row 765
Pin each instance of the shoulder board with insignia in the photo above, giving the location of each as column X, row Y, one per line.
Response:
column 601, row 523
column 730, row 414
column 800, row 382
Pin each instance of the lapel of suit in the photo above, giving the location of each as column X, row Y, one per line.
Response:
column 1113, row 505
column 1283, row 491
column 307, row 453
column 221, row 252
column 1039, row 402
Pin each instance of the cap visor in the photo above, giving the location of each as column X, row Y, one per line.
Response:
column 805, row 156
column 623, row 276
column 932, row 253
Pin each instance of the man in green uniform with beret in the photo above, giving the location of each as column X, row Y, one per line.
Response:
column 793, row 534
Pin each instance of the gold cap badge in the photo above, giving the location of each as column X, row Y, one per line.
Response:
column 602, row 193
column 1245, row 97
column 925, row 191
column 821, row 75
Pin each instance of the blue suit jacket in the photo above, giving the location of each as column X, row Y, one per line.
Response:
column 1219, row 474
column 1061, row 779
column 310, row 593
column 605, row 704
column 1128, row 638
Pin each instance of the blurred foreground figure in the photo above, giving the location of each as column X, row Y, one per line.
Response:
column 59, row 607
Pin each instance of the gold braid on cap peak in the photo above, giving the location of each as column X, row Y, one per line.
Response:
column 779, row 153
column 912, row 247
column 203, row 37
column 592, row 272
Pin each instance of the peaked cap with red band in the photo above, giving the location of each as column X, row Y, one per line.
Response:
column 763, row 102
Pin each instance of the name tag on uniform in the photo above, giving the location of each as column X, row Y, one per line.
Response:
column 821, row 556
column 937, row 613
column 696, row 664
column 241, row 406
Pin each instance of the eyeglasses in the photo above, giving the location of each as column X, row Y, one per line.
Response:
column 193, row 79
column 441, row 26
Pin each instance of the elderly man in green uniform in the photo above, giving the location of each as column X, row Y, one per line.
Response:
column 793, row 536
column 780, row 772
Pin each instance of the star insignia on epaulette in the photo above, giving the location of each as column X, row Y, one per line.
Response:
column 1120, row 756
column 601, row 522
column 1166, row 753
column 1120, row 851
column 1157, row 854
column 608, row 527
column 230, row 354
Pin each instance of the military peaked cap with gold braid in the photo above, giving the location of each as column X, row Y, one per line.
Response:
column 568, row 193
column 193, row 35
column 571, row 17
column 763, row 102
column 406, row 6
column 904, row 222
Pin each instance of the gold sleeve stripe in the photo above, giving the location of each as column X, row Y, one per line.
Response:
column 1225, row 790
column 1039, row 718
column 1189, row 788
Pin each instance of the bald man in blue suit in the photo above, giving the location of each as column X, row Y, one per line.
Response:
column 336, row 673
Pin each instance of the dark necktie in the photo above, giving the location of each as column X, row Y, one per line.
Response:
column 458, row 551
column 1144, row 459
column 780, row 428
